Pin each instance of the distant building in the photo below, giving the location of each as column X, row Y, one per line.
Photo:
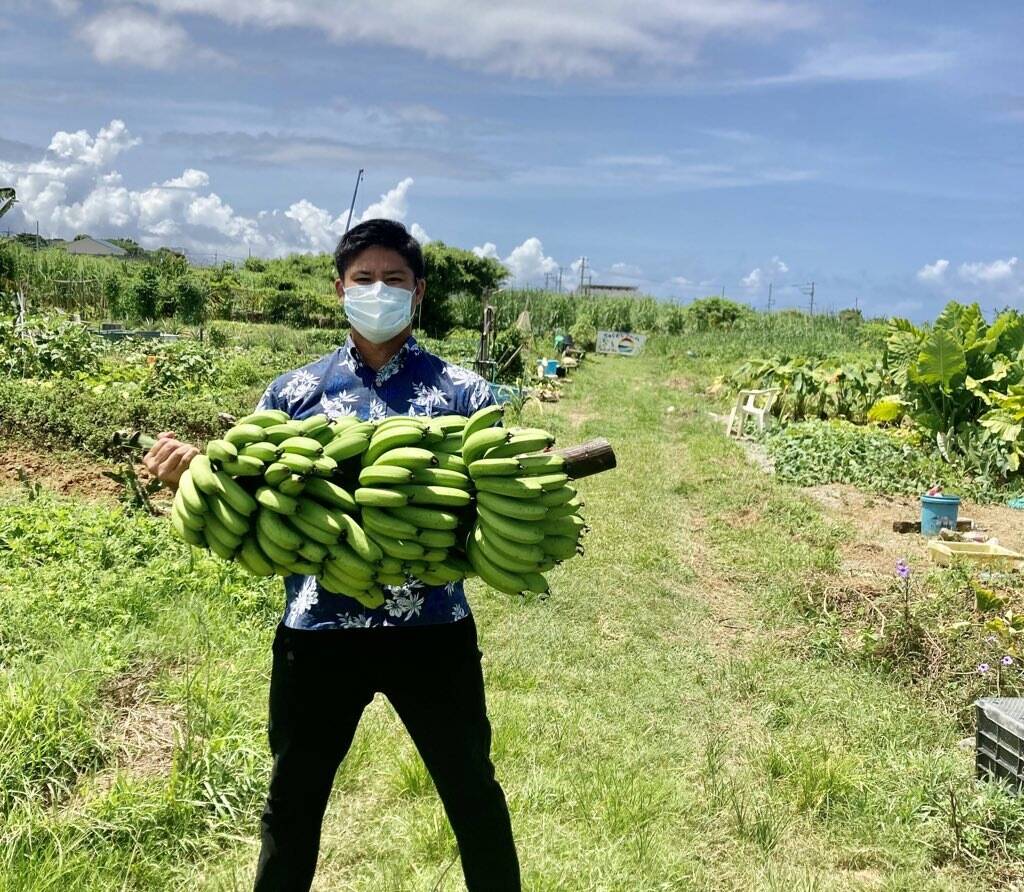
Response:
column 95, row 247
column 614, row 290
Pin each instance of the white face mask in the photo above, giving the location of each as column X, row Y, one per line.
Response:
column 378, row 311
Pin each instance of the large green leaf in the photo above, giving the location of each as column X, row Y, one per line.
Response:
column 901, row 349
column 1007, row 333
column 941, row 360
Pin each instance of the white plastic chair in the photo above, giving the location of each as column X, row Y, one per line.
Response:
column 747, row 405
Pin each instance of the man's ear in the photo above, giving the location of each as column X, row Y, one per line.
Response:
column 420, row 290
column 339, row 288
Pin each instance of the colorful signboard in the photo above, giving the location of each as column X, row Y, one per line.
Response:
column 622, row 343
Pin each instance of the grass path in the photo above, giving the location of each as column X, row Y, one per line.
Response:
column 654, row 725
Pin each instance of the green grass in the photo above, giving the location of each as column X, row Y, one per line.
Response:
column 670, row 719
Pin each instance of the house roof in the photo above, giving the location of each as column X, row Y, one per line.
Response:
column 89, row 245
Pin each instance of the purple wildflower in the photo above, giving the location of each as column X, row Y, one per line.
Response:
column 991, row 639
column 982, row 668
column 1007, row 660
column 902, row 569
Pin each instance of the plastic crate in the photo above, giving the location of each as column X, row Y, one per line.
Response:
column 999, row 742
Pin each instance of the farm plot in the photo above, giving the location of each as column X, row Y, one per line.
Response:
column 677, row 715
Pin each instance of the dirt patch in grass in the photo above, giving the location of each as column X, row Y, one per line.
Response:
column 874, row 548
column 65, row 473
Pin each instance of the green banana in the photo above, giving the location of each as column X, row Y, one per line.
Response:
column 380, row 521
column 374, row 475
column 233, row 494
column 414, row 568
column 512, row 550
column 410, row 457
column 324, row 466
column 274, row 550
column 431, row 578
column 399, row 548
column 399, row 421
column 549, row 482
column 427, row 518
column 329, row 493
column 436, row 538
column 293, row 485
column 519, row 509
column 265, row 418
column 448, row 424
column 312, row 425
column 483, row 418
column 427, row 494
column 191, row 520
column 276, row 501
column 297, row 464
column 347, row 561
column 274, row 527
column 476, row 445
column 242, row 434
column 227, row 516
column 448, row 462
column 221, row 450
column 564, row 526
column 224, row 552
column 323, row 436
column 390, row 578
column 435, row 555
column 392, row 439
column 189, row 535
column 525, row 531
column 346, row 446
column 555, row 497
column 439, row 477
column 264, row 451
column 494, row 576
column 251, row 558
column 243, row 466
column 451, row 444
column 522, row 444
column 216, row 530
column 536, row 583
column 304, row 568
column 573, row 506
column 389, row 565
column 313, row 551
column 306, row 446
column 542, row 463
column 447, row 570
column 495, row 467
column 278, row 433
column 190, row 496
column 561, row 547
column 312, row 531
column 343, row 423
column 379, row 497
column 276, row 472
column 359, row 542
column 513, row 487
column 514, row 565
column 320, row 516
column 202, row 474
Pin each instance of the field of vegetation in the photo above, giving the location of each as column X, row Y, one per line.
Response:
column 736, row 687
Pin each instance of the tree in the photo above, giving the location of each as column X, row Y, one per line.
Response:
column 453, row 271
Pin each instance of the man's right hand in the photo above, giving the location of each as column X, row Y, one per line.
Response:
column 169, row 458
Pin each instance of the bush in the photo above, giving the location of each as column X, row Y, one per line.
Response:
column 145, row 295
column 189, row 301
column 182, row 365
column 716, row 312
column 48, row 347
column 509, row 354
column 584, row 334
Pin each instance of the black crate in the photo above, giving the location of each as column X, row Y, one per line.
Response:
column 999, row 743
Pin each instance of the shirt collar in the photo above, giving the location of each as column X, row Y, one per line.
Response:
column 391, row 368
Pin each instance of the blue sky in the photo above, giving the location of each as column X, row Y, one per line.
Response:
column 681, row 146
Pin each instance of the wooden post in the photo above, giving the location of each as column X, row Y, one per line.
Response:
column 588, row 458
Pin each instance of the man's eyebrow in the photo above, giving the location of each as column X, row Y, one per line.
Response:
column 395, row 272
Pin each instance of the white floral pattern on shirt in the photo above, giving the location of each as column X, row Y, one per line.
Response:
column 339, row 405
column 307, row 595
column 300, row 385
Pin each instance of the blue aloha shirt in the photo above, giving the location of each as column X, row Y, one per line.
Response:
column 412, row 382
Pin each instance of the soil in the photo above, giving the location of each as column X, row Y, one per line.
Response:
column 65, row 473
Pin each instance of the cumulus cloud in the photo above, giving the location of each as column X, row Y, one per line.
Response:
column 133, row 37
column 759, row 276
column 526, row 262
column 74, row 188
column 933, row 272
column 988, row 273
column 530, row 38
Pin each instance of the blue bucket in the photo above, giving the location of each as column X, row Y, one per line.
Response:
column 550, row 366
column 938, row 512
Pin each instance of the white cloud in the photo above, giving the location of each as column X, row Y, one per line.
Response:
column 529, row 38
column 759, row 276
column 526, row 263
column 988, row 273
column 845, row 62
column 132, row 37
column 626, row 270
column 933, row 272
column 73, row 188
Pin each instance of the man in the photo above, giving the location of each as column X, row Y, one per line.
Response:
column 331, row 655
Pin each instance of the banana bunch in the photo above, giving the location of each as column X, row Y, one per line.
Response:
column 412, row 488
column 527, row 512
column 361, row 504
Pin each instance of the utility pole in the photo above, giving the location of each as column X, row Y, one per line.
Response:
column 812, row 298
column 561, row 270
column 583, row 269
column 352, row 207
column 771, row 285
column 37, row 235
column 723, row 292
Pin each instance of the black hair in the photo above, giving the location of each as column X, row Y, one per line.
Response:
column 379, row 234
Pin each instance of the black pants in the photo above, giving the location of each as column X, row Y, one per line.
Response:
column 320, row 684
